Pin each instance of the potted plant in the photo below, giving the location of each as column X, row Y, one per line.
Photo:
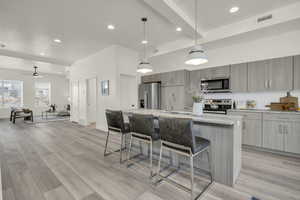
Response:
column 198, row 99
column 198, row 105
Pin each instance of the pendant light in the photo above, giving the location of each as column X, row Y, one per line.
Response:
column 35, row 74
column 144, row 65
column 196, row 55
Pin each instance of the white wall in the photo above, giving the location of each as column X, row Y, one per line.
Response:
column 107, row 64
column 59, row 90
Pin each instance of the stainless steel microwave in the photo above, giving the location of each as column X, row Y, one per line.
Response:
column 217, row 85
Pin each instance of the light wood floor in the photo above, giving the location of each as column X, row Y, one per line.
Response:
column 64, row 161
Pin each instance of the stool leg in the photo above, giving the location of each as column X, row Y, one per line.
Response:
column 192, row 176
column 106, row 143
column 129, row 150
column 209, row 165
column 151, row 172
column 121, row 148
column 159, row 161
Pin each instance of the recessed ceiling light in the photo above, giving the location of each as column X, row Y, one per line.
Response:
column 144, row 42
column 234, row 9
column 178, row 29
column 57, row 40
column 42, row 53
column 111, row 27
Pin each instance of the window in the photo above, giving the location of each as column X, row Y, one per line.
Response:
column 42, row 94
column 11, row 93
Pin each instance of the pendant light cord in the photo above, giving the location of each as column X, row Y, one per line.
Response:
column 145, row 40
column 196, row 22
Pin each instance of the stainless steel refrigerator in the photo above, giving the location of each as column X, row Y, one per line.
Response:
column 150, row 96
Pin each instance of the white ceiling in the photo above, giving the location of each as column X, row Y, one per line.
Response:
column 215, row 13
column 28, row 27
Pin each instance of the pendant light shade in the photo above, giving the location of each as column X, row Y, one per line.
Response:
column 144, row 65
column 197, row 54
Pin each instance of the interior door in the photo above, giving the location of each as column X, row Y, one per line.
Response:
column 92, row 100
column 75, row 101
column 129, row 91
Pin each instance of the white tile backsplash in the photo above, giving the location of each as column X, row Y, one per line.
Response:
column 262, row 98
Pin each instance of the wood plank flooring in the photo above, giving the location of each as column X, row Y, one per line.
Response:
column 64, row 161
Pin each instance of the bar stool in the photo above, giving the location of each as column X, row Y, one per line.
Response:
column 115, row 122
column 142, row 129
column 177, row 136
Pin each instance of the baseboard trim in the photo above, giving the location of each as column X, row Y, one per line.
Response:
column 282, row 153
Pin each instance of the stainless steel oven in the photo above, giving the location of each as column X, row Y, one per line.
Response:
column 217, row 85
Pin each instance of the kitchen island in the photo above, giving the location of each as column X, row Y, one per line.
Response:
column 224, row 133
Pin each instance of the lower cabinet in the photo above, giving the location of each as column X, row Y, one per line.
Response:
column 173, row 98
column 282, row 132
column 273, row 137
column 251, row 127
column 275, row 131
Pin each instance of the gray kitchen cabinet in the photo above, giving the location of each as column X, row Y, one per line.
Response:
column 292, row 136
column 220, row 72
column 173, row 98
column 215, row 72
column 251, row 127
column 273, row 137
column 280, row 74
column 174, row 78
column 151, row 78
column 270, row 75
column 195, row 80
column 257, row 76
column 296, row 72
column 238, row 78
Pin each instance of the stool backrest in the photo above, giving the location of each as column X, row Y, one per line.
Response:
column 177, row 131
column 142, row 124
column 115, row 120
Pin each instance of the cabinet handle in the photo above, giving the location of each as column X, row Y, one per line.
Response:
column 270, row 83
column 244, row 125
column 286, row 131
column 280, row 128
column 266, row 84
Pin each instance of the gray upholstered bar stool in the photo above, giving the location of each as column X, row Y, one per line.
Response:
column 177, row 136
column 115, row 122
column 142, row 129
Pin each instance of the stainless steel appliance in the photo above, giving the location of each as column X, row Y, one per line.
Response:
column 217, row 106
column 150, row 95
column 217, row 85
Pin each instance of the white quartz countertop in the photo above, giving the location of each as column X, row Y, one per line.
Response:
column 205, row 118
column 265, row 111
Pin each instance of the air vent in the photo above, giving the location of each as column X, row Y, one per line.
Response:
column 264, row 18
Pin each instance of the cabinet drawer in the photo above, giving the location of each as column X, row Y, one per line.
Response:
column 247, row 115
column 280, row 116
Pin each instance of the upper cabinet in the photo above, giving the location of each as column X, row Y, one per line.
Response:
column 238, row 78
column 151, row 78
column 174, row 78
column 257, row 76
column 280, row 74
column 297, row 72
column 220, row 72
column 270, row 75
column 215, row 72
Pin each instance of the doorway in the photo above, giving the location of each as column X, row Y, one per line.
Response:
column 92, row 101
column 129, row 91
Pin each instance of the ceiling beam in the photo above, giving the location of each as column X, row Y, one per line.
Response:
column 173, row 13
column 25, row 56
column 282, row 15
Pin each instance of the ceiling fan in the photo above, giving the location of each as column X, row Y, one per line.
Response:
column 35, row 73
